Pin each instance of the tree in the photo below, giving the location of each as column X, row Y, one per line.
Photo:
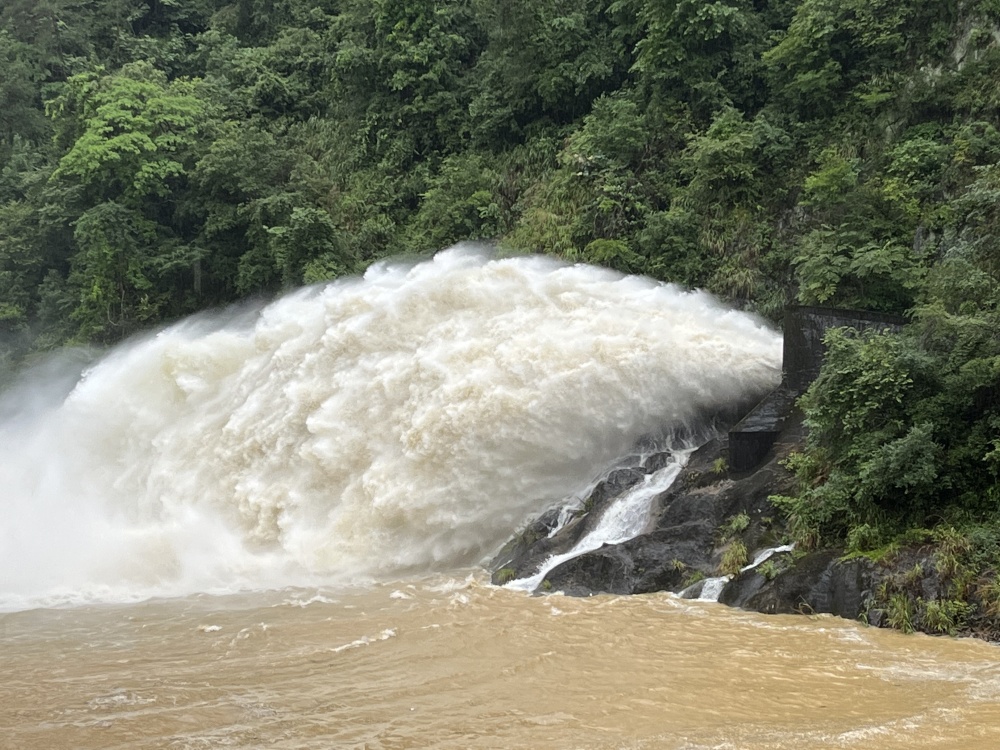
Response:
column 129, row 135
column 21, row 114
column 546, row 60
column 112, row 272
column 400, row 68
column 704, row 55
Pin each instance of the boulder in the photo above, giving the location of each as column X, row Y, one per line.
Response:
column 524, row 554
column 662, row 560
column 818, row 582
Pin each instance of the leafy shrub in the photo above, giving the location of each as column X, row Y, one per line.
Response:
column 734, row 559
column 735, row 525
column 504, row 576
column 945, row 616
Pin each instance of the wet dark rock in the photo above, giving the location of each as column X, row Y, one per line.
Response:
column 533, row 542
column 659, row 561
column 694, row 590
column 657, row 461
column 605, row 570
column 819, row 582
column 691, row 525
column 524, row 554
column 685, row 536
column 614, row 485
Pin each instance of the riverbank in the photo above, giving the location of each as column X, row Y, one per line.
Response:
column 713, row 521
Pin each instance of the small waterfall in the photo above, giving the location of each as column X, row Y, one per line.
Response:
column 710, row 589
column 625, row 518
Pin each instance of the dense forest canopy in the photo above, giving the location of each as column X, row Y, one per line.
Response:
column 158, row 157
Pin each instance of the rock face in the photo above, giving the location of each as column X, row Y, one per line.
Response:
column 692, row 525
column 523, row 554
column 686, row 539
column 817, row 582
column 716, row 516
column 708, row 511
column 695, row 525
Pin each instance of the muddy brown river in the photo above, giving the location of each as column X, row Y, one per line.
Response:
column 413, row 419
column 456, row 663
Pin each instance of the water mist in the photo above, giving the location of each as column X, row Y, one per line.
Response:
column 404, row 421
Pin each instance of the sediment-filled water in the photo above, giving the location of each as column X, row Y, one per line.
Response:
column 457, row 664
column 403, row 422
column 265, row 527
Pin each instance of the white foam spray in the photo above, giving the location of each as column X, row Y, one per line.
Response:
column 624, row 519
column 408, row 420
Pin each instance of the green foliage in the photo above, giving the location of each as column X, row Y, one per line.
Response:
column 549, row 218
column 704, row 54
column 865, row 538
column 964, row 561
column 112, row 272
column 903, row 426
column 900, row 612
column 967, row 559
column 543, row 60
column 611, row 254
column 461, row 202
column 868, row 463
column 832, row 45
column 128, row 134
column 864, row 387
column 833, row 182
column 722, row 162
column 399, row 71
column 734, row 559
column 504, row 576
column 769, row 569
column 735, row 525
column 855, row 257
column 19, row 91
column 309, row 248
column 945, row 616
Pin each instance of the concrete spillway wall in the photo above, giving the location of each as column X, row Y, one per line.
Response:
column 805, row 327
column 803, row 353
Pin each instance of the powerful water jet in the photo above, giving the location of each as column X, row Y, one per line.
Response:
column 404, row 421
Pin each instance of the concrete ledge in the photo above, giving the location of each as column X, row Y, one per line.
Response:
column 803, row 351
column 802, row 358
column 753, row 436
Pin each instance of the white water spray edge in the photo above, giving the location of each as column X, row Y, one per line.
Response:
column 407, row 421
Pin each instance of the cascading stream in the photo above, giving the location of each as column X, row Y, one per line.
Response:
column 625, row 518
column 711, row 589
column 409, row 420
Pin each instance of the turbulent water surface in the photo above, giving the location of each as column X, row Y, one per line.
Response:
column 441, row 663
column 257, row 530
